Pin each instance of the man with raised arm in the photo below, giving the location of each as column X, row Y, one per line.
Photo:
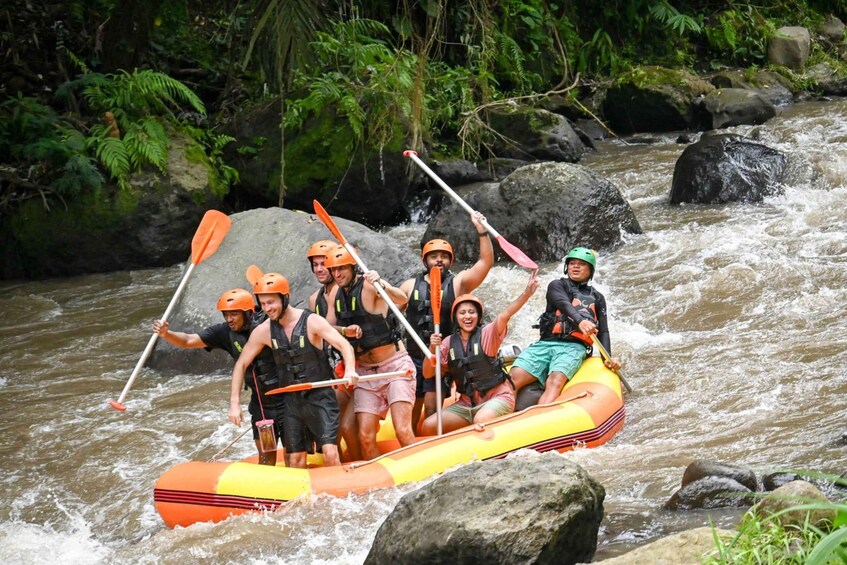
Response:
column 363, row 317
column 236, row 305
column 439, row 253
column 296, row 338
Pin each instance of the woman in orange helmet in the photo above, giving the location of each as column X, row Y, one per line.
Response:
column 470, row 356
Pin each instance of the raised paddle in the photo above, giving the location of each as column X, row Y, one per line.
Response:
column 516, row 254
column 323, row 215
column 435, row 300
column 209, row 235
column 253, row 274
column 607, row 357
column 333, row 382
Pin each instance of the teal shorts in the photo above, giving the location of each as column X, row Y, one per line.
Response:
column 544, row 357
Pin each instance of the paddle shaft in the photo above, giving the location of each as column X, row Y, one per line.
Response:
column 438, row 391
column 335, row 382
column 409, row 329
column 607, row 357
column 435, row 300
column 459, row 200
column 151, row 344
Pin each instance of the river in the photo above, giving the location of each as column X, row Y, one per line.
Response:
column 729, row 321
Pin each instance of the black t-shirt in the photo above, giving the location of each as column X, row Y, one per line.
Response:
column 219, row 337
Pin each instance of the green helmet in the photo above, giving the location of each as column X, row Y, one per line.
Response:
column 583, row 254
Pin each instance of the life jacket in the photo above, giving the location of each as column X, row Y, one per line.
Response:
column 377, row 330
column 419, row 312
column 556, row 325
column 297, row 360
column 470, row 368
column 263, row 366
column 321, row 307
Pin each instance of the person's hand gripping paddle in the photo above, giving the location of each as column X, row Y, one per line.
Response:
column 516, row 254
column 209, row 235
column 607, row 357
column 323, row 215
column 435, row 300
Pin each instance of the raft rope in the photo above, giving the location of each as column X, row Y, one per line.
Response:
column 468, row 429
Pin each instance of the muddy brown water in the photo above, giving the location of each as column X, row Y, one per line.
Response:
column 730, row 321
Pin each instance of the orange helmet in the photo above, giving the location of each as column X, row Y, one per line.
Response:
column 436, row 245
column 235, row 299
column 270, row 283
column 467, row 298
column 339, row 256
column 320, row 248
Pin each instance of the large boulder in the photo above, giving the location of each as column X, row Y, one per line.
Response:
column 654, row 99
column 539, row 509
column 728, row 107
column 727, row 168
column 145, row 225
column 323, row 160
column 789, row 47
column 705, row 468
column 275, row 240
column 710, row 492
column 685, row 548
column 826, row 79
column 774, row 87
column 832, row 29
column 544, row 209
column 534, row 134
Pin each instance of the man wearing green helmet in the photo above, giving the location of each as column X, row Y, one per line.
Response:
column 575, row 311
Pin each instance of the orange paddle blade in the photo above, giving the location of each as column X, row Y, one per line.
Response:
column 253, row 274
column 516, row 254
column 209, row 235
column 323, row 216
column 435, row 294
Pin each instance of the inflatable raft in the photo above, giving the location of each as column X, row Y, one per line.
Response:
column 588, row 413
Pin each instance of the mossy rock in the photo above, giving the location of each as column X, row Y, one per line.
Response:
column 654, row 99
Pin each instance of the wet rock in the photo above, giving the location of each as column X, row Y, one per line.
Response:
column 544, row 209
column 535, row 134
column 789, row 47
column 458, row 172
column 592, row 129
column 710, row 492
column 727, row 168
column 498, row 169
column 827, row 79
column 728, row 107
column 685, row 548
column 683, row 139
column 702, row 468
column 540, row 509
column 793, row 494
column 275, row 240
column 772, row 481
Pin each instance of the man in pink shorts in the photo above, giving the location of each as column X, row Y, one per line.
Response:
column 365, row 319
column 469, row 355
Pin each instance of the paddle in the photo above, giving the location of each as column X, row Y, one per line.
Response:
column 209, row 235
column 327, row 221
column 332, row 382
column 516, row 254
column 435, row 300
column 607, row 357
column 253, row 274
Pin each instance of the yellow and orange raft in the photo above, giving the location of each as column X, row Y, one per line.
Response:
column 588, row 413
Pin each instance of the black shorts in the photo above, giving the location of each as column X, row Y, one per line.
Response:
column 315, row 411
column 423, row 386
column 275, row 413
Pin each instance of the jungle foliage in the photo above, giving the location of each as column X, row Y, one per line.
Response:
column 428, row 69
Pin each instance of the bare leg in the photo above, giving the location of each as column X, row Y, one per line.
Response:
column 368, row 426
column 449, row 422
column 347, row 427
column 521, row 377
column 401, row 415
column 298, row 460
column 417, row 408
column 485, row 415
column 430, row 402
column 330, row 451
column 556, row 381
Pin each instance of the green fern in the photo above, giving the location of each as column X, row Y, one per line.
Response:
column 112, row 154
